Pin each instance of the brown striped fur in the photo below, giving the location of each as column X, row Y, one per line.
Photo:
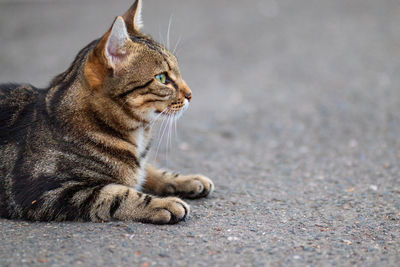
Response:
column 78, row 149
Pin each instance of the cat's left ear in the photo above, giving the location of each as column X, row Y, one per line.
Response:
column 133, row 17
column 115, row 49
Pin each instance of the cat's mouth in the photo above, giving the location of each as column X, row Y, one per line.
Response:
column 176, row 108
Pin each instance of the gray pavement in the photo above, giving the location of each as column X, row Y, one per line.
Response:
column 295, row 116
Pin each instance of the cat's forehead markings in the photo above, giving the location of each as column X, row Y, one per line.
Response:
column 148, row 42
column 169, row 65
column 166, row 59
column 151, row 44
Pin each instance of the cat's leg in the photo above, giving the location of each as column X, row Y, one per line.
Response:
column 119, row 202
column 165, row 183
column 99, row 203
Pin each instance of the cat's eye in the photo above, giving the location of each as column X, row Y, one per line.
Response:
column 162, row 78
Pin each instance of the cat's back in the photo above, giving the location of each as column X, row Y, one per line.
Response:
column 18, row 108
column 18, row 103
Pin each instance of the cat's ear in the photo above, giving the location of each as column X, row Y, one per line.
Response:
column 109, row 55
column 115, row 49
column 133, row 17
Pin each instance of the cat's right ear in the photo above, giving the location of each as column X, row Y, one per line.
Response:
column 133, row 17
column 109, row 55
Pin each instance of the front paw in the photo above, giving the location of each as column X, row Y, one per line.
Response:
column 191, row 186
column 169, row 210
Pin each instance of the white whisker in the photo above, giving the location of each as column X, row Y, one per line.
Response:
column 168, row 137
column 162, row 125
column 177, row 44
column 161, row 38
column 176, row 132
column 168, row 32
column 159, row 134
column 156, row 118
column 170, row 129
column 165, row 127
column 166, row 143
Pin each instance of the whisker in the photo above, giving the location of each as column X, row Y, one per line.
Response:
column 169, row 130
column 177, row 44
column 161, row 127
column 168, row 32
column 168, row 139
column 166, row 143
column 161, row 38
column 176, row 132
column 156, row 118
column 171, row 123
column 165, row 127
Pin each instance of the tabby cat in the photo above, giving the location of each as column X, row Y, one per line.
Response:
column 78, row 149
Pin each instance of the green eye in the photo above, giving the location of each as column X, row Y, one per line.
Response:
column 162, row 78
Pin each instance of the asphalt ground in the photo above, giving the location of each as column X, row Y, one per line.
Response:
column 295, row 116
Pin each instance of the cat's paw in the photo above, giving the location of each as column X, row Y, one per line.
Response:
column 192, row 186
column 167, row 210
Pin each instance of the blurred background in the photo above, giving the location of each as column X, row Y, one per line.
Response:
column 295, row 116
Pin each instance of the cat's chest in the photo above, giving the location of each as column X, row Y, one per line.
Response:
column 142, row 140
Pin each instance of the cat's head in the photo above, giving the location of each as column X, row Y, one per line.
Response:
column 134, row 73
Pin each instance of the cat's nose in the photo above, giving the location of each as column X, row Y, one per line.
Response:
column 188, row 96
column 185, row 91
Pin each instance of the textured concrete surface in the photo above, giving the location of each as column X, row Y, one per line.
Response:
column 295, row 115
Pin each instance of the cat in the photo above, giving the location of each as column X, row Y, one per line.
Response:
column 77, row 151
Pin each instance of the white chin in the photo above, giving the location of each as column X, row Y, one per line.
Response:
column 185, row 106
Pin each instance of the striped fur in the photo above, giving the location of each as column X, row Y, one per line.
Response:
column 77, row 150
